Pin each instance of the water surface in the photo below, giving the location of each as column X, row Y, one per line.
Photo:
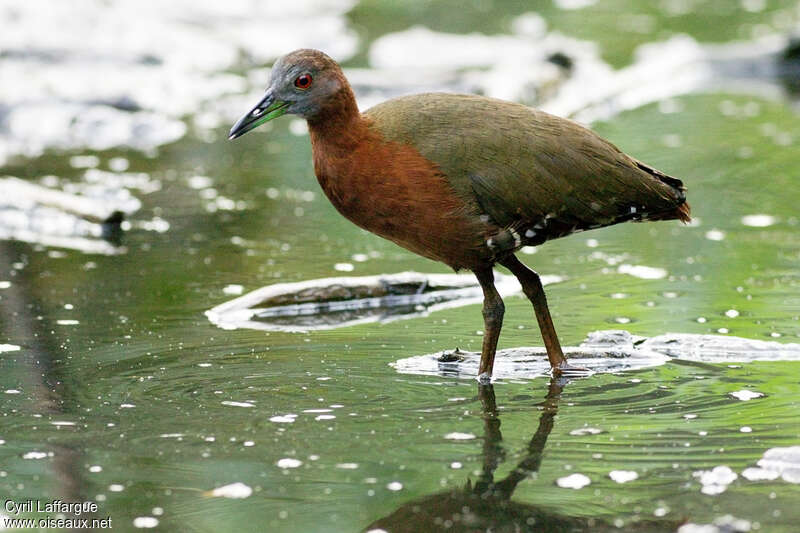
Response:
column 123, row 392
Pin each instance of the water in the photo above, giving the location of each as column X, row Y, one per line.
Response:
column 122, row 391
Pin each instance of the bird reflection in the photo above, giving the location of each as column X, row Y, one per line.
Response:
column 486, row 505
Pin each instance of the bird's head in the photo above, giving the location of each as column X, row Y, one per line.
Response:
column 302, row 83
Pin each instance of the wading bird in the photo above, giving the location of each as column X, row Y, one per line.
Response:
column 463, row 179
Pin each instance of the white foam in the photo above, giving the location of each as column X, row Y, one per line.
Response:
column 758, row 221
column 238, row 404
column 783, row 462
column 623, row 476
column 586, row 431
column 723, row 524
column 283, row 419
column 79, row 69
column 236, row 490
column 288, row 462
column 146, row 522
column 34, row 455
column 746, row 395
column 459, row 436
column 642, row 271
column 716, row 480
column 233, row 289
column 483, row 63
column 573, row 481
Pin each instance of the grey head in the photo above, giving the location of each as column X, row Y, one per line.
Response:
column 302, row 83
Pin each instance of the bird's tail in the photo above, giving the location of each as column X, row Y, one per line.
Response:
column 684, row 212
column 680, row 212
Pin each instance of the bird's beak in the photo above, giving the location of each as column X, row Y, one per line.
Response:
column 267, row 109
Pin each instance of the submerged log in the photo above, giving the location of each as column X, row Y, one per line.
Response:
column 345, row 301
column 603, row 352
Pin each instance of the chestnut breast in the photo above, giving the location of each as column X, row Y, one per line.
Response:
column 390, row 189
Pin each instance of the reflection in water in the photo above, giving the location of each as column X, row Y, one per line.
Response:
column 41, row 376
column 486, row 505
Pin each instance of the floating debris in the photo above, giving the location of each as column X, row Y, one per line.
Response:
column 758, row 221
column 746, row 395
column 477, row 63
column 605, row 351
column 723, row 524
column 35, row 455
column 84, row 216
column 459, row 436
column 643, row 272
column 344, row 267
column 233, row 289
column 586, row 431
column 623, row 476
column 92, row 76
column 146, row 522
column 236, row 490
column 573, row 481
column 94, row 209
column 715, row 481
column 283, row 419
column 238, row 404
column 288, row 462
column 346, row 301
column 775, row 463
column 720, row 348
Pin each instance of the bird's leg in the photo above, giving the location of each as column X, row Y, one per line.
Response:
column 493, row 310
column 532, row 287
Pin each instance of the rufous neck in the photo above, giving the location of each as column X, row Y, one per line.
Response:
column 339, row 123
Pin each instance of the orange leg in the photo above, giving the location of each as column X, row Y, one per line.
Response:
column 532, row 287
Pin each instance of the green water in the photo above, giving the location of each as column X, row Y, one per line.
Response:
column 617, row 26
column 141, row 376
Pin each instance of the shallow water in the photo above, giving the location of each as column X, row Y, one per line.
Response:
column 121, row 391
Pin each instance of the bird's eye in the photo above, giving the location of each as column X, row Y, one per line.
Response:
column 303, row 81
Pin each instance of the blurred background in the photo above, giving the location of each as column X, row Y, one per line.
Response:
column 116, row 388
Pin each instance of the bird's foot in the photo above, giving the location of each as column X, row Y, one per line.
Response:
column 567, row 370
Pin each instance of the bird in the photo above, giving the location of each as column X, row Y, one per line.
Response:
column 465, row 180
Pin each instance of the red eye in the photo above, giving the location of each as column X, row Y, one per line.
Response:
column 303, row 81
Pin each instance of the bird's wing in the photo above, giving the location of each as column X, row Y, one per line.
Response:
column 525, row 168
